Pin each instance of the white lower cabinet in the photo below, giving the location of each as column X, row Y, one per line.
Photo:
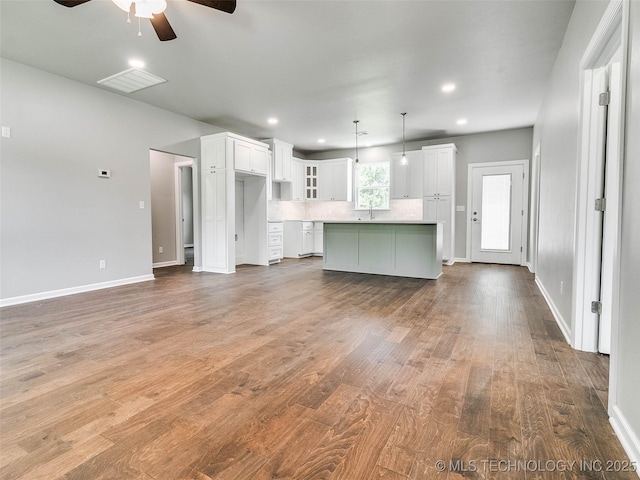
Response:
column 318, row 238
column 440, row 209
column 215, row 228
column 275, row 241
column 298, row 239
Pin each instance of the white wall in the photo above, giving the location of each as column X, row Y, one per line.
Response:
column 482, row 147
column 557, row 128
column 58, row 219
column 627, row 357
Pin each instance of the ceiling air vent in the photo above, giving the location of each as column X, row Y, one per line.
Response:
column 131, row 80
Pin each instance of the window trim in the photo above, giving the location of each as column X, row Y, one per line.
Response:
column 357, row 206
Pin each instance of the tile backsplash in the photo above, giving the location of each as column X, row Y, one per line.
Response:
column 406, row 209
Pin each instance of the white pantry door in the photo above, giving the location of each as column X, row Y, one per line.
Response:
column 497, row 213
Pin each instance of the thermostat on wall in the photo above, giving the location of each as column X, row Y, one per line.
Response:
column 104, row 173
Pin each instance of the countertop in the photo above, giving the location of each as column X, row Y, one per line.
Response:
column 383, row 222
column 374, row 221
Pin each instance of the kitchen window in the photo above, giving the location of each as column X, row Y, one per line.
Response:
column 372, row 186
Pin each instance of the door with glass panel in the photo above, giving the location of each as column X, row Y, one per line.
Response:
column 497, row 212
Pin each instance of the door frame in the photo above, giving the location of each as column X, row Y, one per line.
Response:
column 178, row 166
column 525, row 202
column 599, row 52
column 534, row 211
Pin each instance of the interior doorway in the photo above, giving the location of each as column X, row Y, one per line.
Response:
column 185, row 234
column 497, row 197
column 173, row 209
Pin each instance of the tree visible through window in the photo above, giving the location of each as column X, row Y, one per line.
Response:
column 372, row 186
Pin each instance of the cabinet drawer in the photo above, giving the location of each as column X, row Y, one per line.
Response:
column 275, row 227
column 275, row 253
column 275, row 239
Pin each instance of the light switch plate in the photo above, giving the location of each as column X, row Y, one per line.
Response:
column 6, row 132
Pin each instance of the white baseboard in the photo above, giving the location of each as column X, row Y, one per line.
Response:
column 462, row 260
column 197, row 269
column 628, row 438
column 34, row 297
column 564, row 327
column 218, row 270
column 170, row 263
column 188, row 245
column 529, row 266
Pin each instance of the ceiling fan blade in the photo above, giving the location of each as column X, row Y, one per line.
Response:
column 71, row 3
column 228, row 6
column 162, row 27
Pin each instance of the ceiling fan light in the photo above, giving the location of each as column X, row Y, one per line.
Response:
column 157, row 6
column 146, row 8
column 123, row 4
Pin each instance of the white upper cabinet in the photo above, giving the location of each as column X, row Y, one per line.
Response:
column 407, row 180
column 282, row 155
column 251, row 157
column 335, row 179
column 439, row 169
column 213, row 153
column 297, row 180
column 310, row 180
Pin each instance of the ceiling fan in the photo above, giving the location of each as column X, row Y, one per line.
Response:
column 153, row 10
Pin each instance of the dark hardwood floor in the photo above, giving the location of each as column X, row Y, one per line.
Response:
column 291, row 372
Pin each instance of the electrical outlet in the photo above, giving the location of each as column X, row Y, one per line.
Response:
column 103, row 264
column 161, row 250
column 561, row 287
column 141, row 204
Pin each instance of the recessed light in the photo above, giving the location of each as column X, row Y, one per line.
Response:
column 321, row 140
column 135, row 63
column 448, row 87
column 462, row 121
column 272, row 121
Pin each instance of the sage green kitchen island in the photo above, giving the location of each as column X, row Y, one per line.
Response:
column 398, row 248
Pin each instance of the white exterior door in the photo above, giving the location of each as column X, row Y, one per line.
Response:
column 497, row 212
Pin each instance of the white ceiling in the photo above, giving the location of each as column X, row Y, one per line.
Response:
column 316, row 65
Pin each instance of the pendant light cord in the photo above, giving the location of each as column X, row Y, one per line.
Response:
column 356, row 122
column 403, row 116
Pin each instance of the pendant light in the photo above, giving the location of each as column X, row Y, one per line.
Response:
column 356, row 159
column 403, row 159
